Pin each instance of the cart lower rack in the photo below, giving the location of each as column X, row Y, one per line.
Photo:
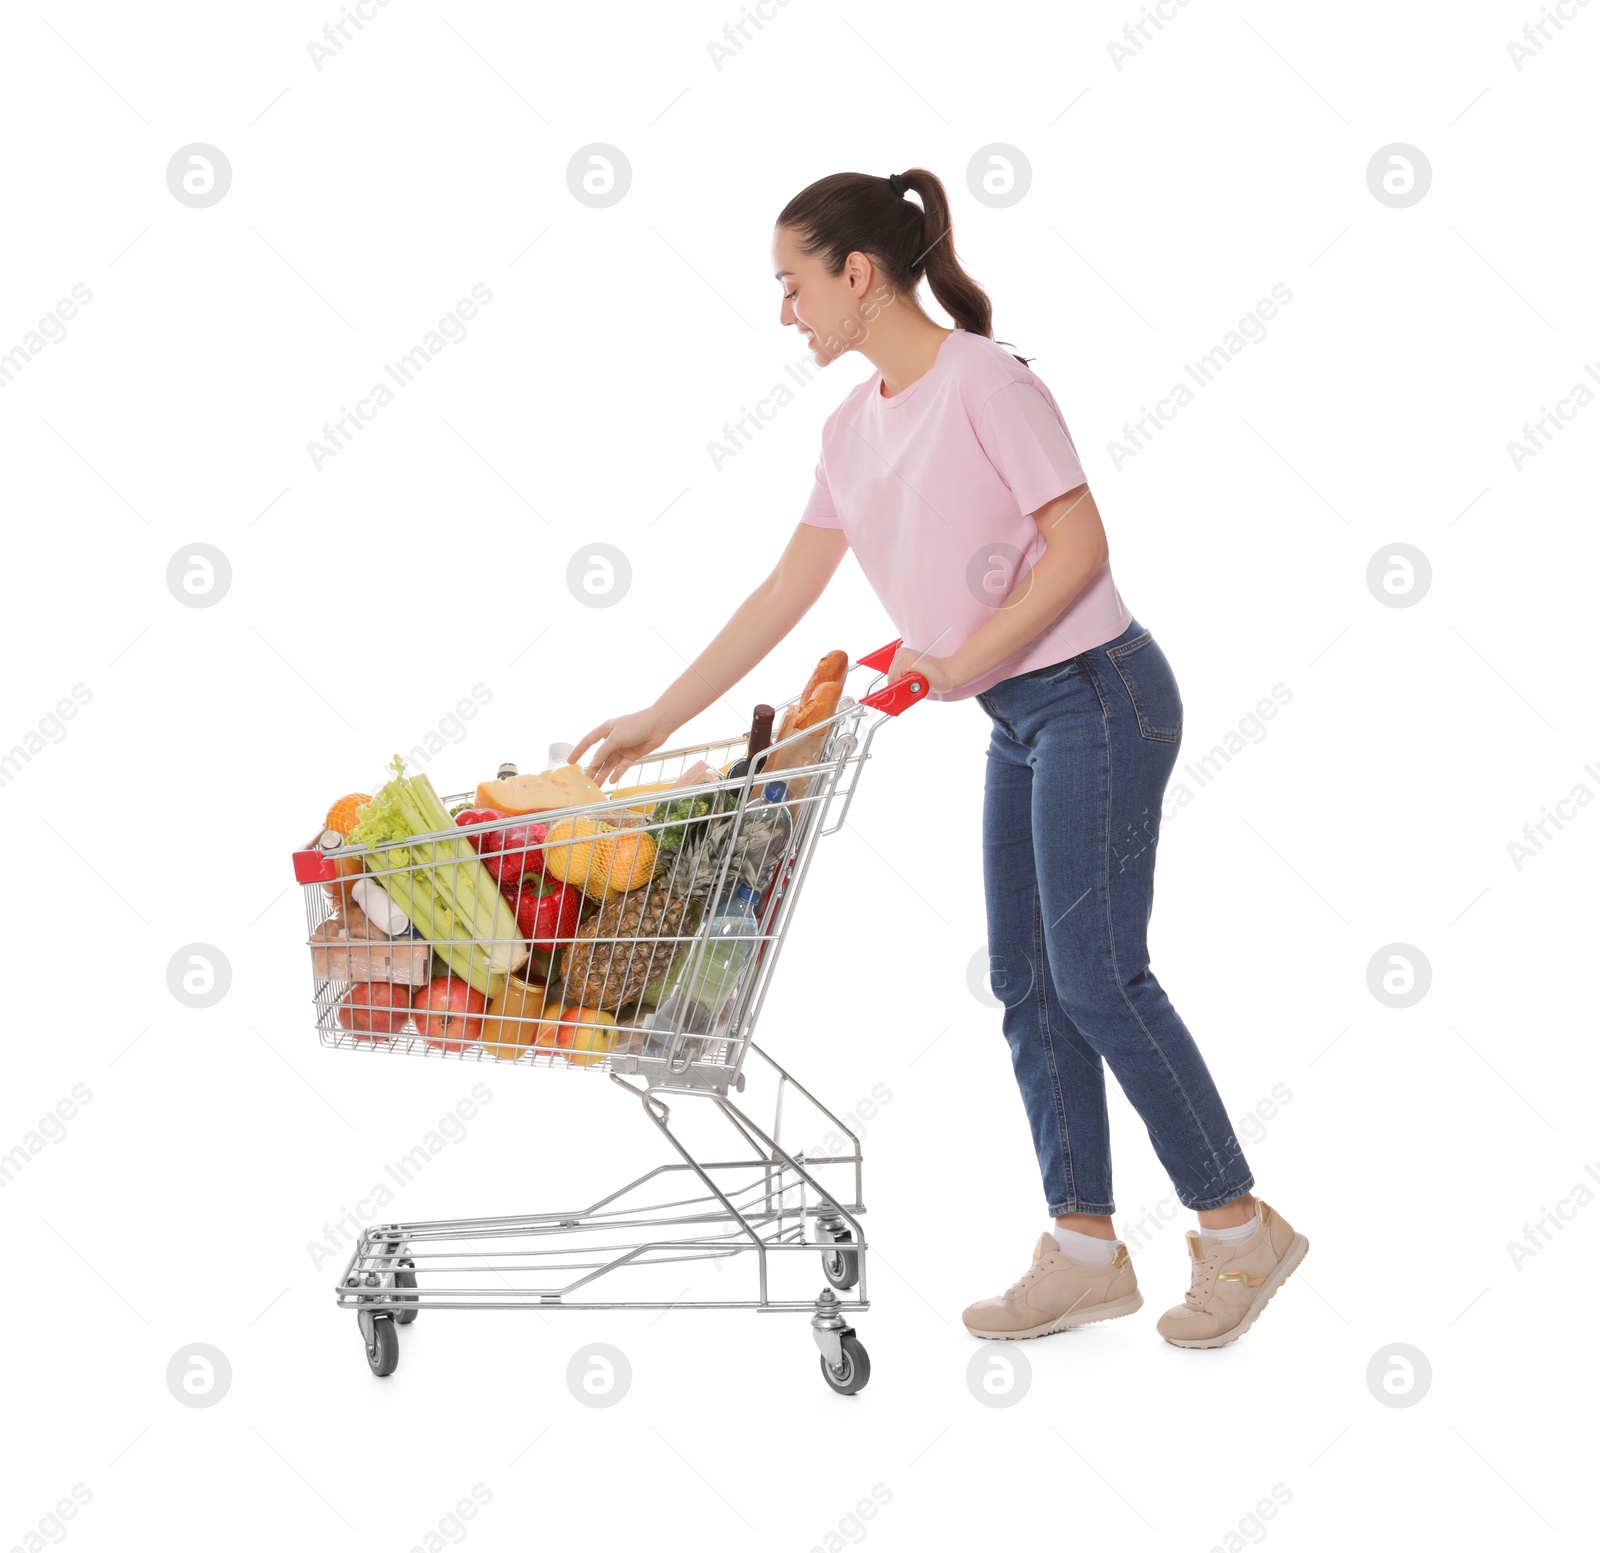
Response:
column 637, row 936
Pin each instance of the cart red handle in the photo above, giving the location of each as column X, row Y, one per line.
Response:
column 882, row 658
column 312, row 866
column 904, row 692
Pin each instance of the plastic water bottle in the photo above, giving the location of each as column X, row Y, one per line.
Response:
column 764, row 841
column 776, row 794
column 706, row 982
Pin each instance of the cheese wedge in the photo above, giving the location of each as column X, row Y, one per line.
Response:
column 639, row 790
column 561, row 788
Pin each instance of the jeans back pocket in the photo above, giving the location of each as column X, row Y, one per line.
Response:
column 1151, row 686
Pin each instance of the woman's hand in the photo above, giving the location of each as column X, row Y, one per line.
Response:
column 768, row 615
column 935, row 670
column 624, row 740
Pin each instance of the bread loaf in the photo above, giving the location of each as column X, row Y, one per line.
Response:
column 818, row 700
column 831, row 669
column 805, row 725
column 820, row 705
column 807, row 739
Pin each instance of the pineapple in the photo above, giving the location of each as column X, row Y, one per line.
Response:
column 600, row 972
column 616, row 956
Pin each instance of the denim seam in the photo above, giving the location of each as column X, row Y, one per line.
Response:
column 1114, row 655
column 1061, row 665
column 1221, row 1202
column 1041, row 962
column 1236, row 1158
column 1101, row 1210
column 1142, row 640
column 1116, row 969
column 1003, row 725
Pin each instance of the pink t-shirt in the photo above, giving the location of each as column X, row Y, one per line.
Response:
column 934, row 488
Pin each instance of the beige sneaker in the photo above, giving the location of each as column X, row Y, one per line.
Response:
column 1056, row 1293
column 1229, row 1286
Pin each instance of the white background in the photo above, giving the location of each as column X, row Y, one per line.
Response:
column 368, row 597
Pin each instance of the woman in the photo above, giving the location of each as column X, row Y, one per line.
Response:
column 952, row 475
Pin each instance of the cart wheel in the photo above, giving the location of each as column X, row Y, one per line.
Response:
column 405, row 1278
column 841, row 1266
column 854, row 1370
column 383, row 1352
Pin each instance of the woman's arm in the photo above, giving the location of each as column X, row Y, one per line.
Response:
column 768, row 615
column 1075, row 549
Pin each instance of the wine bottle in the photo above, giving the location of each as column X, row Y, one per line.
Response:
column 760, row 737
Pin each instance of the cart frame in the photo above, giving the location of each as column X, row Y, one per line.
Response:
column 769, row 1199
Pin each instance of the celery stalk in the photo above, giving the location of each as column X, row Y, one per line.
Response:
column 481, row 912
column 440, row 884
column 411, row 893
column 433, row 810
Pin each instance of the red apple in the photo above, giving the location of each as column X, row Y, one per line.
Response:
column 378, row 1008
column 587, row 1033
column 508, row 853
column 450, row 1012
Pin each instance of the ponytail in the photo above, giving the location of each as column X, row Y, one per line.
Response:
column 847, row 213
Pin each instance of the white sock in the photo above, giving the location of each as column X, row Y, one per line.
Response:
column 1087, row 1250
column 1234, row 1234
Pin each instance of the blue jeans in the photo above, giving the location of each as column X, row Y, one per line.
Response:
column 1078, row 765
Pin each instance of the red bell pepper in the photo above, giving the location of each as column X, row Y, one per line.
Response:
column 547, row 910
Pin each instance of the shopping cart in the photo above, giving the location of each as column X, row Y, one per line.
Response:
column 664, row 997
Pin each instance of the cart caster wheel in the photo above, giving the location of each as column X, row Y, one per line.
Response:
column 841, row 1266
column 383, row 1352
column 854, row 1370
column 405, row 1278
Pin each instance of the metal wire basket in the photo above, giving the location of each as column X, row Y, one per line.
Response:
column 673, row 900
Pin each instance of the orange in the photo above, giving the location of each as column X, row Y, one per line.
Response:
column 633, row 857
column 342, row 816
column 597, row 857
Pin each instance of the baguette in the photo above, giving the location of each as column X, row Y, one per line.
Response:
column 831, row 669
column 807, row 737
column 815, row 705
column 820, row 705
column 818, row 699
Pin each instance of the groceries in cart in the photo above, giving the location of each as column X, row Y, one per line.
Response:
column 700, row 995
column 540, row 920
column 544, row 918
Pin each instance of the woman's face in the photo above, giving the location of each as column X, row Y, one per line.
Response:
column 826, row 309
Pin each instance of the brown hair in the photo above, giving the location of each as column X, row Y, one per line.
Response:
column 847, row 213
